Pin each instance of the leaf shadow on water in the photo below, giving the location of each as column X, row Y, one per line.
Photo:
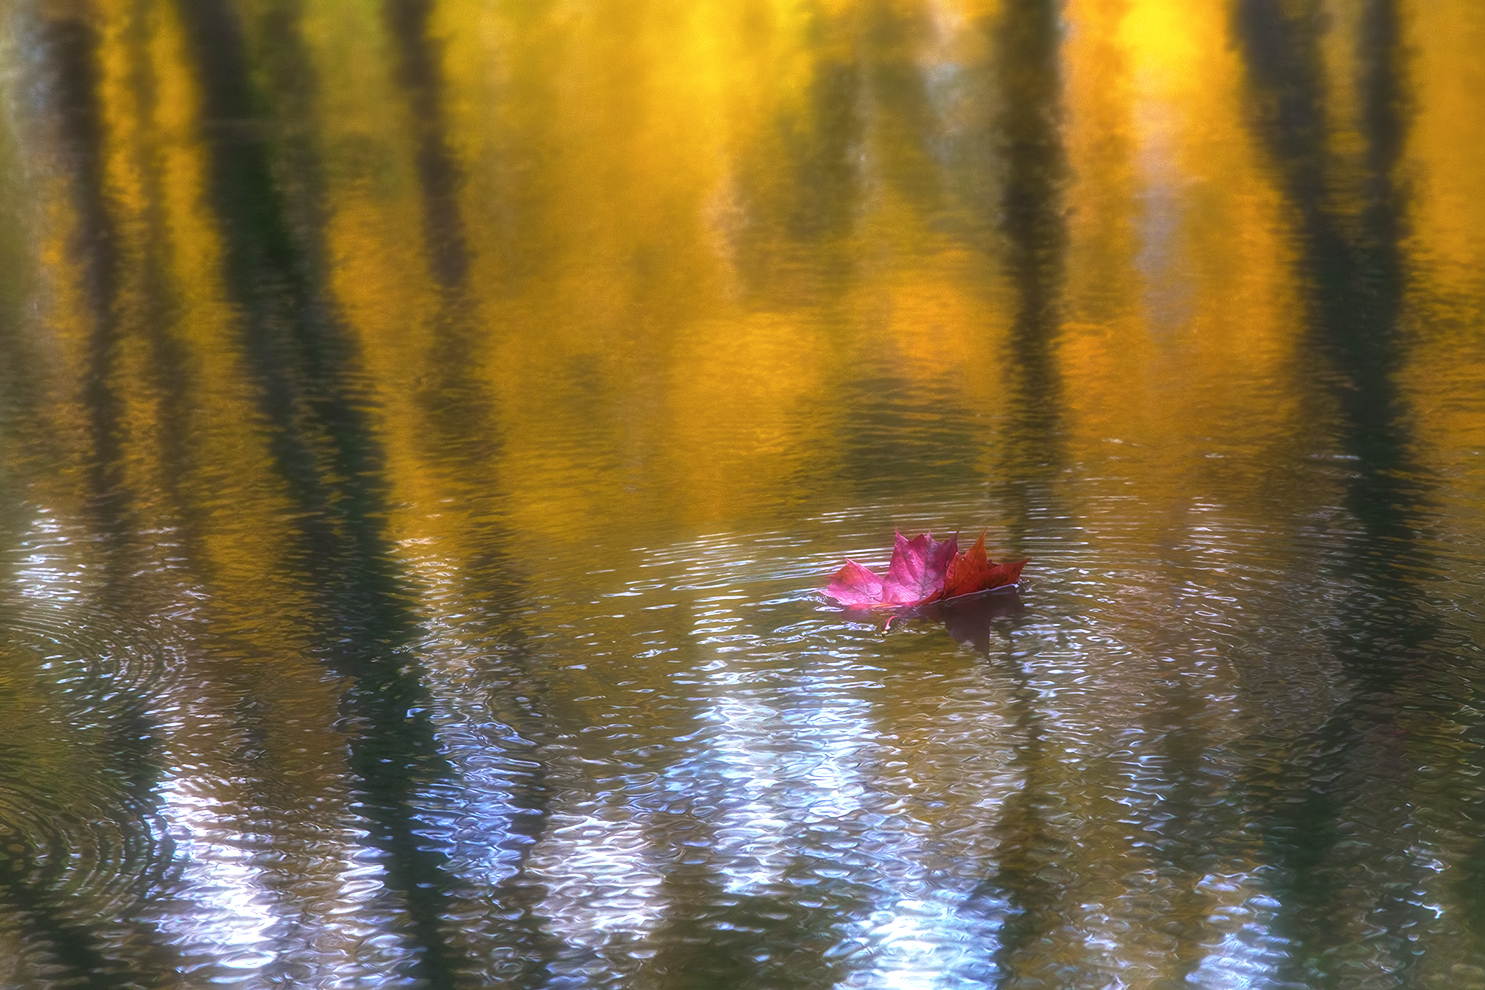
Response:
column 970, row 619
column 975, row 620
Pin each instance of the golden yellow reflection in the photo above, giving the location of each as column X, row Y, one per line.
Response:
column 494, row 297
column 664, row 245
column 1446, row 230
column 152, row 399
column 661, row 239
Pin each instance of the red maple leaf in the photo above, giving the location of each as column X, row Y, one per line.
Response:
column 922, row 570
column 973, row 571
column 914, row 577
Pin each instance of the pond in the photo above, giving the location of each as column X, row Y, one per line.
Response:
column 427, row 428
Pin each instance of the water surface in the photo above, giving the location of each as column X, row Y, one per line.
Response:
column 425, row 426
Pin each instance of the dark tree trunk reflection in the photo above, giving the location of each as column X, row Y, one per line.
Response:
column 1026, row 42
column 326, row 451
column 1351, row 215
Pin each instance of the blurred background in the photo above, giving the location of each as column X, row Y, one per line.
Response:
column 425, row 426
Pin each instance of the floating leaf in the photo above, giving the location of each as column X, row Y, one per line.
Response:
column 973, row 572
column 856, row 587
column 916, row 574
column 922, row 570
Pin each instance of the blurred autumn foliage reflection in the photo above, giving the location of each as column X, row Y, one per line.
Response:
column 691, row 285
column 352, row 355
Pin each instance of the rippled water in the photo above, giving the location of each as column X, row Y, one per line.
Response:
column 425, row 428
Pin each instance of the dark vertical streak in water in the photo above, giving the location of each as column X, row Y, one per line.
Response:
column 730, row 941
column 902, row 110
column 1184, row 829
column 73, row 46
column 323, row 444
column 158, row 321
column 20, row 370
column 1019, row 892
column 52, row 903
column 420, row 72
column 821, row 149
column 1349, row 225
column 466, row 433
column 74, row 947
column 1027, row 46
column 1349, row 239
column 810, row 198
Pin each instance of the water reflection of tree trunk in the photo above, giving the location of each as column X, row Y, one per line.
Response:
column 20, row 364
column 53, row 905
column 1027, row 48
column 420, row 71
column 465, row 436
column 905, row 124
column 1184, row 830
column 803, row 184
column 1022, row 892
column 323, row 444
column 1349, row 215
column 73, row 44
column 713, row 937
